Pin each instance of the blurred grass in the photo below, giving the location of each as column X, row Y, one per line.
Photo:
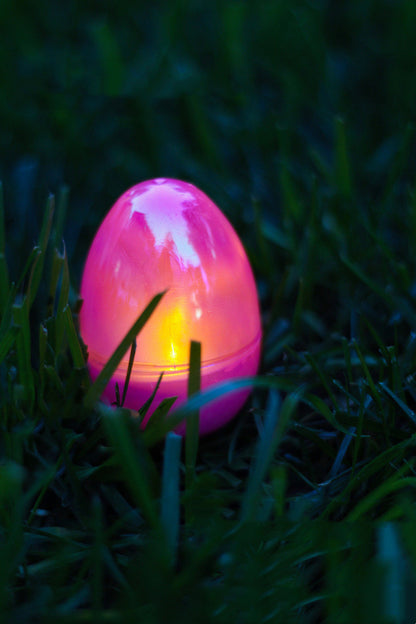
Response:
column 297, row 118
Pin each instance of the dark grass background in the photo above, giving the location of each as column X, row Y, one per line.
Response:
column 296, row 118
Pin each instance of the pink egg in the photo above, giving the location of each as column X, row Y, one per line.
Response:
column 167, row 234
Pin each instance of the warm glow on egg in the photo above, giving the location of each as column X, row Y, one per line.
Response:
column 172, row 336
column 165, row 234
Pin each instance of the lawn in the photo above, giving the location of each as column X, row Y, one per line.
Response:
column 296, row 118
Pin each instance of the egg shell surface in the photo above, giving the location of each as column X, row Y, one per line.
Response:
column 165, row 234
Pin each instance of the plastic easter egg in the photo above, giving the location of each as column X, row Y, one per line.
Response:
column 165, row 234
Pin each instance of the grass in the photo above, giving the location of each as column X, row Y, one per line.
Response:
column 99, row 518
column 296, row 118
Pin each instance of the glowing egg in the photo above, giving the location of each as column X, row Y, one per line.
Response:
column 165, row 234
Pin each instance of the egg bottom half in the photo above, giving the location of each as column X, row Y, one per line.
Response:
column 213, row 415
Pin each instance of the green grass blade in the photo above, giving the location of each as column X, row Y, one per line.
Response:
column 62, row 303
column 43, row 343
column 391, row 556
column 56, row 269
column 192, row 423
column 311, row 360
column 394, row 483
column 409, row 413
column 359, row 430
column 118, row 398
column 170, row 499
column 335, row 468
column 129, row 369
column 26, row 379
column 32, row 259
column 11, row 545
column 104, row 377
column 73, row 340
column 145, row 407
column 6, row 319
column 118, row 434
column 375, row 393
column 277, row 420
column 347, row 356
column 42, row 486
column 159, row 425
column 37, row 269
column 7, row 341
column 60, row 214
column 378, row 464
